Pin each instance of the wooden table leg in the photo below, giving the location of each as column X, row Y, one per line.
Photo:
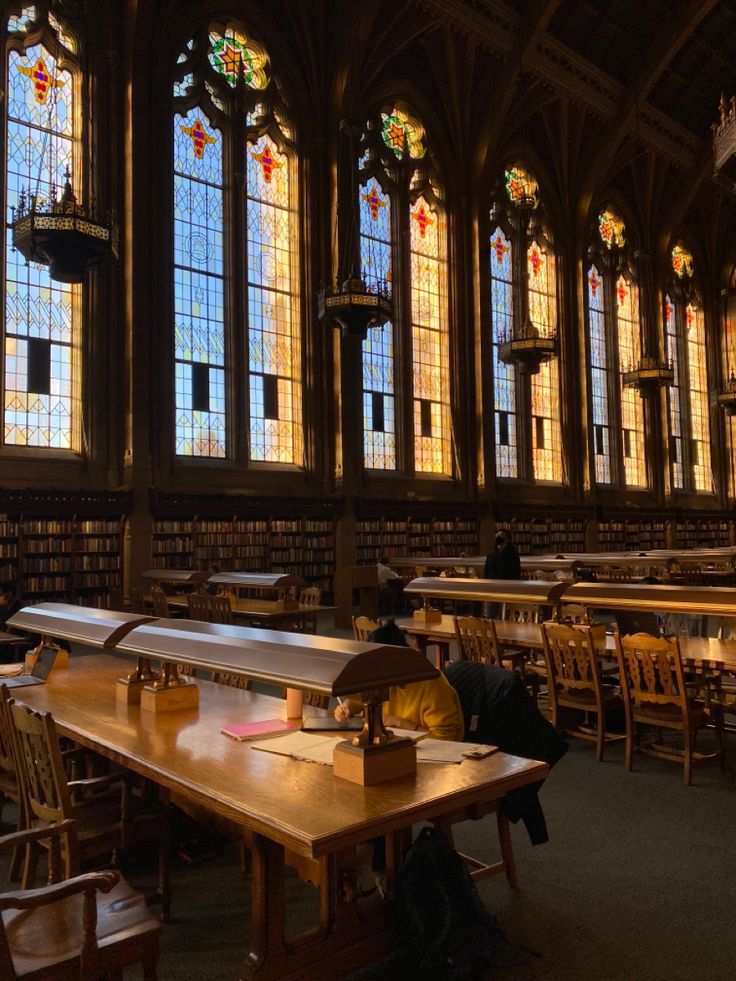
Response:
column 344, row 940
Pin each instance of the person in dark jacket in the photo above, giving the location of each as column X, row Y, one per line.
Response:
column 503, row 562
column 499, row 711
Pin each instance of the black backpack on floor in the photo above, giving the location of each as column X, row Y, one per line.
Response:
column 441, row 915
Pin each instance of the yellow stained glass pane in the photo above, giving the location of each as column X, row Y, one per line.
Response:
column 546, row 435
column 430, row 340
column 699, row 419
column 632, row 412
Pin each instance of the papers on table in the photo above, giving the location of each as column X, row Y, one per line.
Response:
column 447, row 751
column 319, row 749
column 414, row 734
column 301, row 746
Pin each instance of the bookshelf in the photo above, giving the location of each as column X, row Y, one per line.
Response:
column 245, row 541
column 173, row 544
column 98, row 549
column 414, row 536
column 62, row 546
column 540, row 535
column 630, row 535
column 703, row 532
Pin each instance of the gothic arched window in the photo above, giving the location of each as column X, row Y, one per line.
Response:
column 614, row 335
column 524, row 291
column 43, row 329
column 403, row 244
column 236, row 262
column 689, row 407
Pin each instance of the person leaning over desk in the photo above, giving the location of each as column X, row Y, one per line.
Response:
column 430, row 705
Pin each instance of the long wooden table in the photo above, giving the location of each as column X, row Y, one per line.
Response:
column 289, row 811
column 697, row 652
column 264, row 612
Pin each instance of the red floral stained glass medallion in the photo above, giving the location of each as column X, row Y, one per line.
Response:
column 41, row 79
column 422, row 219
column 374, row 202
column 199, row 136
column 267, row 162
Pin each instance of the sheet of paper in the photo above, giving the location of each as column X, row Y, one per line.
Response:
column 440, row 751
column 414, row 734
column 300, row 746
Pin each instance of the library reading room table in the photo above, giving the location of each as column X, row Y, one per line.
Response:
column 265, row 613
column 697, row 652
column 291, row 812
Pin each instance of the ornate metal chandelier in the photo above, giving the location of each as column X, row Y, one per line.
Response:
column 62, row 234
column 648, row 375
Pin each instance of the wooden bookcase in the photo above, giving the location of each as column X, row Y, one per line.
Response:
column 296, row 537
column 62, row 546
column 415, row 534
column 535, row 534
column 698, row 531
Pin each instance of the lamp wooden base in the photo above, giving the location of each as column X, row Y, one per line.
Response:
column 169, row 699
column 367, row 765
column 129, row 692
column 427, row 616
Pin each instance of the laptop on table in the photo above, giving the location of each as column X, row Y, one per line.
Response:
column 39, row 674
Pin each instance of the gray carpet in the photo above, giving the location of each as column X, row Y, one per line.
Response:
column 636, row 884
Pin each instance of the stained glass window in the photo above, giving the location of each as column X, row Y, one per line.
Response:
column 523, row 287
column 274, row 357
column 504, row 376
column 379, row 399
column 245, row 300
column 199, row 289
column 546, row 437
column 599, row 376
column 699, row 421
column 430, row 336
column 632, row 412
column 42, row 383
column 674, row 355
column 689, row 407
column 402, row 134
column 611, row 230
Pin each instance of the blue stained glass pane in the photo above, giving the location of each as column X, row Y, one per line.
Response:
column 199, row 328
column 39, row 129
column 599, row 376
column 379, row 446
column 504, row 376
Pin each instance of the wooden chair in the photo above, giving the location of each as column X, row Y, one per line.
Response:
column 363, row 627
column 10, row 788
column 109, row 816
column 574, row 682
column 520, row 613
column 81, row 929
column 198, row 606
column 219, row 608
column 573, row 613
column 655, row 694
column 160, row 603
column 477, row 640
column 310, row 596
column 137, row 600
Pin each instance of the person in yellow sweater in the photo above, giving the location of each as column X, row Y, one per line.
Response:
column 429, row 705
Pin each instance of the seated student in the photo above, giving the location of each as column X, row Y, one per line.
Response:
column 430, row 705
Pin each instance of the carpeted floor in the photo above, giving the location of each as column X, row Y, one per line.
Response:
column 636, row 883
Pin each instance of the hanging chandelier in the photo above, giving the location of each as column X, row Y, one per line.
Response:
column 352, row 304
column 648, row 375
column 525, row 346
column 62, row 234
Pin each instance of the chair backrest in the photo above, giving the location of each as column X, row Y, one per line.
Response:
column 137, row 599
column 520, row 613
column 199, row 608
column 363, row 627
column 310, row 596
column 220, row 609
column 727, row 628
column 9, row 779
column 160, row 603
column 650, row 670
column 573, row 613
column 231, row 680
column 572, row 663
column 43, row 775
column 477, row 640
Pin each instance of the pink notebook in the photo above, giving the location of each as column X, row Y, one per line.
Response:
column 258, row 730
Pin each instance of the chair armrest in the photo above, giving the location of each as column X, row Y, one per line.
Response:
column 19, row 838
column 97, row 783
column 35, row 898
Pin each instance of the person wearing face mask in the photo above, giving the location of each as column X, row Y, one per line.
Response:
column 503, row 562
